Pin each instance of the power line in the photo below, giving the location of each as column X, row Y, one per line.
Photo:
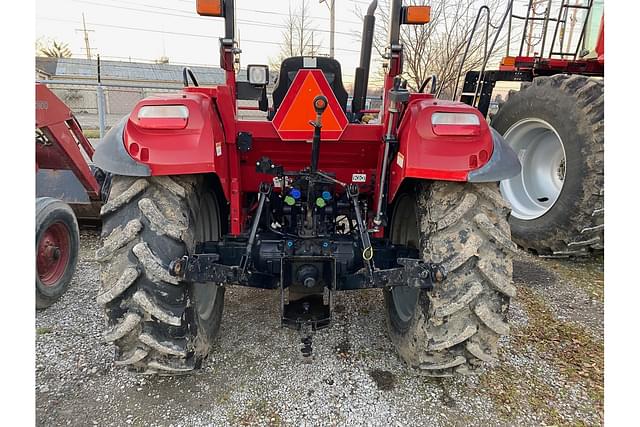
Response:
column 174, row 33
column 241, row 21
column 270, row 12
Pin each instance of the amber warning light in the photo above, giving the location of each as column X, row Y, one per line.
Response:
column 209, row 7
column 416, row 15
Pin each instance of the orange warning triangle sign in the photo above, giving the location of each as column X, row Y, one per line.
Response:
column 301, row 111
column 291, row 121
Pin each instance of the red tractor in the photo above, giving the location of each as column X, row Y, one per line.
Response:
column 555, row 123
column 310, row 201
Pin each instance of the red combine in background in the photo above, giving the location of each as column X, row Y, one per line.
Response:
column 555, row 124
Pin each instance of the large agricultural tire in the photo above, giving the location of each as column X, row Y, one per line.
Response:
column 454, row 328
column 158, row 323
column 57, row 244
column 556, row 125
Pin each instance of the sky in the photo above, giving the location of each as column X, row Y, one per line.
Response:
column 173, row 29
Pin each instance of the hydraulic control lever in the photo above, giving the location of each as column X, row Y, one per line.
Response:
column 398, row 95
column 319, row 104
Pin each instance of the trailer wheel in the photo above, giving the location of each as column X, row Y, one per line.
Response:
column 454, row 328
column 57, row 243
column 556, row 125
column 158, row 323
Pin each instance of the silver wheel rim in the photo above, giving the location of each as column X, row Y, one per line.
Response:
column 404, row 231
column 541, row 152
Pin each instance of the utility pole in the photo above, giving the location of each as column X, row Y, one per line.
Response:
column 332, row 18
column 87, row 46
column 312, row 45
column 333, row 29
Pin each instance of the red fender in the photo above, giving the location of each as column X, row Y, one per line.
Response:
column 168, row 148
column 449, row 156
column 197, row 148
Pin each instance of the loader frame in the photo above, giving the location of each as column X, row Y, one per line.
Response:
column 63, row 155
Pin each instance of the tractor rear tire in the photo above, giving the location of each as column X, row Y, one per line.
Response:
column 556, row 211
column 453, row 329
column 158, row 323
column 57, row 244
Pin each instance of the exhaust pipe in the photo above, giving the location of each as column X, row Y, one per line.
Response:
column 229, row 19
column 361, row 81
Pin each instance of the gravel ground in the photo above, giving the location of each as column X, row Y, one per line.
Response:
column 551, row 370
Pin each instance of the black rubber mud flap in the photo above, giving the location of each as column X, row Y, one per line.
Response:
column 111, row 156
column 503, row 164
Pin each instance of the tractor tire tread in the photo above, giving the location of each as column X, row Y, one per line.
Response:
column 582, row 233
column 147, row 309
column 456, row 326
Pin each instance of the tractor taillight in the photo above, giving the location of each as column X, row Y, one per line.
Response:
column 461, row 124
column 163, row 116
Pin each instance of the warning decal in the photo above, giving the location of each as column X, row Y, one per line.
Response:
column 291, row 121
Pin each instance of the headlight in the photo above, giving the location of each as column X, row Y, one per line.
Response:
column 258, row 75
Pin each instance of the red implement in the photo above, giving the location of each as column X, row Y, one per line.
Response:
column 60, row 142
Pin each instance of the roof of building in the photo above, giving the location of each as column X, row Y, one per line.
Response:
column 80, row 68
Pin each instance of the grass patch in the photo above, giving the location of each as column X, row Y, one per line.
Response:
column 514, row 392
column 585, row 274
column 91, row 133
column 44, row 330
column 568, row 347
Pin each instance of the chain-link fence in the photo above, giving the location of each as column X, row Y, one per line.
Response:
column 101, row 105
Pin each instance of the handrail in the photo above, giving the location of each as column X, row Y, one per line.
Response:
column 487, row 52
column 466, row 49
column 480, row 82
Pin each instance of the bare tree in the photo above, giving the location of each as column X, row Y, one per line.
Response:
column 297, row 36
column 437, row 47
column 52, row 49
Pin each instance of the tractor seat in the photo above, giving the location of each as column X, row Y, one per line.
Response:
column 289, row 68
